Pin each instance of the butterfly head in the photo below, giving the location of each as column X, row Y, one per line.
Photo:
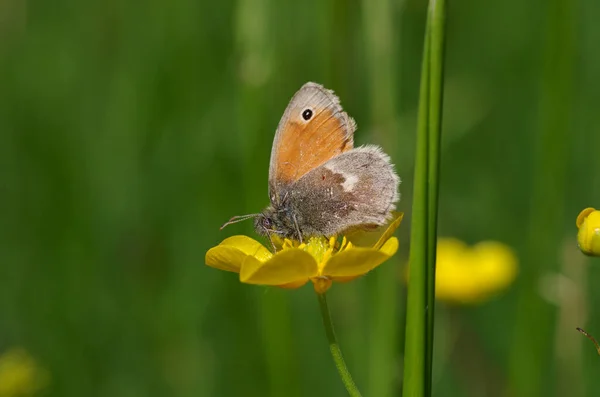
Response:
column 269, row 222
column 263, row 223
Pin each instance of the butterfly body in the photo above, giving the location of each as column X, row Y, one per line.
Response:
column 319, row 184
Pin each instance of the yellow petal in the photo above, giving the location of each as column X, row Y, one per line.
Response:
column 358, row 261
column 231, row 253
column 225, row 258
column 289, row 266
column 248, row 246
column 376, row 238
column 582, row 215
column 390, row 246
column 294, row 285
column 588, row 236
column 389, row 231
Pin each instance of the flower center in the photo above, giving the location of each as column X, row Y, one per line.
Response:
column 321, row 248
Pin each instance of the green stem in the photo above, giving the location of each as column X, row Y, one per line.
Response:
column 416, row 305
column 336, row 353
column 436, row 81
column 421, row 288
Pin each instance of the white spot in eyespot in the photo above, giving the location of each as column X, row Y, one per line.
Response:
column 349, row 183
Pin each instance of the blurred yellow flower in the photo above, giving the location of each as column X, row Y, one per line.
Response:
column 588, row 237
column 472, row 274
column 20, row 375
column 319, row 260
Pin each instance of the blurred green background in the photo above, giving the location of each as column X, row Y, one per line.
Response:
column 130, row 131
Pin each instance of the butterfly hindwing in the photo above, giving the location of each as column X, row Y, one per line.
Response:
column 358, row 188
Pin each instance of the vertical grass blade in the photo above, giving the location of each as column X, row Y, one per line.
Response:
column 531, row 349
column 436, row 79
column 421, row 288
column 415, row 334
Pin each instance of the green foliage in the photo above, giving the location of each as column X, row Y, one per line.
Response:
column 130, row 132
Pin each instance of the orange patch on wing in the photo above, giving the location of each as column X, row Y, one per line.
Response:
column 303, row 147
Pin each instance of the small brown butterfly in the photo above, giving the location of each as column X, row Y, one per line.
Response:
column 319, row 184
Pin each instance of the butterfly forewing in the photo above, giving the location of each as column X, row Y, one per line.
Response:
column 313, row 130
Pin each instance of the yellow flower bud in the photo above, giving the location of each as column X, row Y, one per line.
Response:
column 588, row 236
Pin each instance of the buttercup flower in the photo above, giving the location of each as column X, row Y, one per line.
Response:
column 472, row 274
column 319, row 259
column 588, row 237
column 20, row 375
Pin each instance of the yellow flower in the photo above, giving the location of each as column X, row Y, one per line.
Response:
column 20, row 375
column 319, row 259
column 588, row 236
column 472, row 274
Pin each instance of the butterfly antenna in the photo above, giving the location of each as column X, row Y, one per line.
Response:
column 239, row 218
column 590, row 337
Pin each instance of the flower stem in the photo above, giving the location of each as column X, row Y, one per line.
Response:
column 336, row 353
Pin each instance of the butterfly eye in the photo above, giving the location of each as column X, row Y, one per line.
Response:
column 307, row 114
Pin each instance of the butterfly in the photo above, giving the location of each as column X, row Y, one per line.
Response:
column 319, row 184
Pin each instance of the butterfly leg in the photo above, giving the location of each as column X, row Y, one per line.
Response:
column 272, row 243
column 297, row 228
